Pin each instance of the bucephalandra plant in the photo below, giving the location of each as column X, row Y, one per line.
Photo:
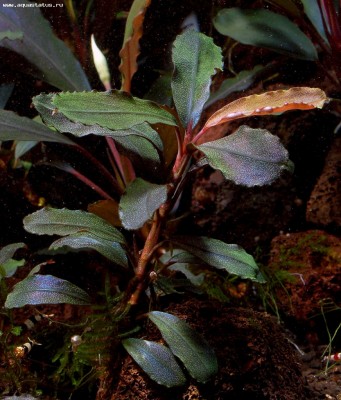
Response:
column 153, row 149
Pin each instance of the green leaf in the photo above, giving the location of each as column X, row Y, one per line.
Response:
column 88, row 241
column 22, row 148
column 45, row 289
column 264, row 28
column 11, row 35
column 7, row 252
column 8, row 265
column 229, row 257
column 44, row 105
column 55, row 62
column 13, row 127
column 195, row 353
column 140, row 201
column 63, row 222
column 156, row 360
column 243, row 80
column 195, row 59
column 114, row 110
column 312, row 11
column 249, row 157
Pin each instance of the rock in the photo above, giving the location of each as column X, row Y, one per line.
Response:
column 324, row 205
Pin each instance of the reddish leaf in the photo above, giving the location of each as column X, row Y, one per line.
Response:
column 106, row 209
column 131, row 49
column 296, row 98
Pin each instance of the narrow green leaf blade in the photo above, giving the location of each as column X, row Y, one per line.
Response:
column 63, row 222
column 88, row 241
column 313, row 12
column 14, row 127
column 250, row 157
column 41, row 47
column 140, row 201
column 229, row 257
column 195, row 59
column 193, row 350
column 156, row 360
column 114, row 110
column 45, row 289
column 264, row 28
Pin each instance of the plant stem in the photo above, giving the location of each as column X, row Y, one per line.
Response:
column 145, row 257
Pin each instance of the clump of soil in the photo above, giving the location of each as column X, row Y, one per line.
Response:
column 256, row 359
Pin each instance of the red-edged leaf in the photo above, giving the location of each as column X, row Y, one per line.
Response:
column 296, row 98
column 131, row 49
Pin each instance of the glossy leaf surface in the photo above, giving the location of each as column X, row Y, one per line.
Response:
column 45, row 289
column 63, row 222
column 114, row 110
column 277, row 101
column 156, row 360
column 264, row 28
column 140, row 201
column 41, row 47
column 14, row 127
column 195, row 59
column 195, row 353
column 250, row 157
column 216, row 253
column 88, row 241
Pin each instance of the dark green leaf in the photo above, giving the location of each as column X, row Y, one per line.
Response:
column 161, row 91
column 63, row 222
column 45, row 289
column 312, row 10
column 240, row 82
column 140, row 201
column 5, row 93
column 85, row 240
column 156, row 360
column 41, row 47
column 264, row 28
column 195, row 353
column 114, row 110
column 249, row 157
column 13, row 127
column 44, row 104
column 195, row 59
column 216, row 253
